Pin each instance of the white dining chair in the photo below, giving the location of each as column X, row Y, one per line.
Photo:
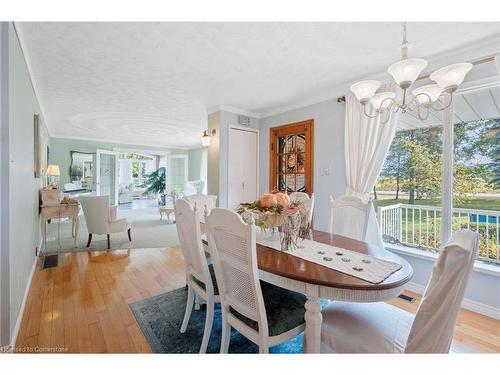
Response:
column 202, row 201
column 200, row 276
column 263, row 313
column 304, row 198
column 101, row 218
column 383, row 328
column 353, row 218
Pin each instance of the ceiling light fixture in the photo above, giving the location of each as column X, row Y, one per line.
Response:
column 405, row 72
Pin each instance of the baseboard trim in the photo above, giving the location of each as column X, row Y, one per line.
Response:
column 467, row 304
column 23, row 305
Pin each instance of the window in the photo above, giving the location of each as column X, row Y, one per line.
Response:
column 409, row 193
column 476, row 187
column 291, row 151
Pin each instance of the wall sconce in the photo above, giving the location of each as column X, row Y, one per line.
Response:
column 206, row 138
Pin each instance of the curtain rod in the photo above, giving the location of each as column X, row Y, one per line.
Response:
column 341, row 99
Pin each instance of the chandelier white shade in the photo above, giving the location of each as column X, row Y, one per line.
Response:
column 451, row 76
column 405, row 72
column 381, row 100
column 427, row 94
column 364, row 90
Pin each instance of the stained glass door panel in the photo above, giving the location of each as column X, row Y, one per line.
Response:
column 291, row 157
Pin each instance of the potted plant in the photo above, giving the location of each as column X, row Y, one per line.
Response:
column 156, row 184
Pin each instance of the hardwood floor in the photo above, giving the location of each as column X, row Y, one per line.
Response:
column 82, row 305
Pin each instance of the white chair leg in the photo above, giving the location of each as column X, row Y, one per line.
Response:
column 226, row 335
column 208, row 325
column 189, row 308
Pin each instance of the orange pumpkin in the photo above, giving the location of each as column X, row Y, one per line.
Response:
column 268, row 200
column 282, row 199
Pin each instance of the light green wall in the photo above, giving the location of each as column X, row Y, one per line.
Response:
column 195, row 157
column 60, row 151
column 23, row 186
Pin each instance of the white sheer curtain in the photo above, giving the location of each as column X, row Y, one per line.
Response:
column 367, row 141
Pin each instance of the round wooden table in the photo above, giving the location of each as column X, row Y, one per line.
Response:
column 316, row 281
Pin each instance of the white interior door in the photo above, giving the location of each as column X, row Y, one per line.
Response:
column 242, row 166
column 107, row 173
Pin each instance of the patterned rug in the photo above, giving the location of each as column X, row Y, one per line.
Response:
column 160, row 319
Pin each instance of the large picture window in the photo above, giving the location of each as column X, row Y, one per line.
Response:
column 410, row 191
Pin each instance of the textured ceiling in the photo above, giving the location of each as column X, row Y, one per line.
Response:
column 151, row 83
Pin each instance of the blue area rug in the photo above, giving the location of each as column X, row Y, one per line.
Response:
column 160, row 319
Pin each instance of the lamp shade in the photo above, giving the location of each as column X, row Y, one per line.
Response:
column 379, row 101
column 451, row 76
column 433, row 92
column 364, row 90
column 53, row 170
column 405, row 72
column 205, row 139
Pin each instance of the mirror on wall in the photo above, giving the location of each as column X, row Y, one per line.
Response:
column 81, row 171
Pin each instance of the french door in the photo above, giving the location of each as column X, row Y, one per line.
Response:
column 291, row 152
column 107, row 175
column 177, row 173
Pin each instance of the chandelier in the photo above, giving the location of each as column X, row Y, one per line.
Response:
column 405, row 72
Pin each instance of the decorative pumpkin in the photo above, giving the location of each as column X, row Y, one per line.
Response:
column 283, row 199
column 268, row 200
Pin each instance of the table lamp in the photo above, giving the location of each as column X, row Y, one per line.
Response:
column 53, row 173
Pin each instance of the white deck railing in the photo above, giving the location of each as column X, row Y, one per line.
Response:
column 420, row 227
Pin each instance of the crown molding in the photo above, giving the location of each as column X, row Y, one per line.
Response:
column 323, row 96
column 105, row 140
column 228, row 108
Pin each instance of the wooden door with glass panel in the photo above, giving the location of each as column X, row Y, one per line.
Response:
column 291, row 150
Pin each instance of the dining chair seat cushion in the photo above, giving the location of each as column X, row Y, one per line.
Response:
column 214, row 280
column 284, row 309
column 364, row 328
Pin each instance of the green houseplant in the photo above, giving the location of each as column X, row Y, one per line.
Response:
column 156, row 183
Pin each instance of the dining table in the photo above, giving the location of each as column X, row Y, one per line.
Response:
column 316, row 282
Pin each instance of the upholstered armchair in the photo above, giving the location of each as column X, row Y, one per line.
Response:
column 101, row 218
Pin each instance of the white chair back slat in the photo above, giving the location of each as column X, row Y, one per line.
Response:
column 349, row 217
column 434, row 324
column 96, row 211
column 201, row 201
column 187, row 221
column 233, row 249
column 303, row 198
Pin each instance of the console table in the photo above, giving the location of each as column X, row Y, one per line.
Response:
column 59, row 211
column 166, row 210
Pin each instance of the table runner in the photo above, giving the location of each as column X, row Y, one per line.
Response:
column 365, row 267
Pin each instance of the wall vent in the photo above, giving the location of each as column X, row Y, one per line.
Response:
column 244, row 120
